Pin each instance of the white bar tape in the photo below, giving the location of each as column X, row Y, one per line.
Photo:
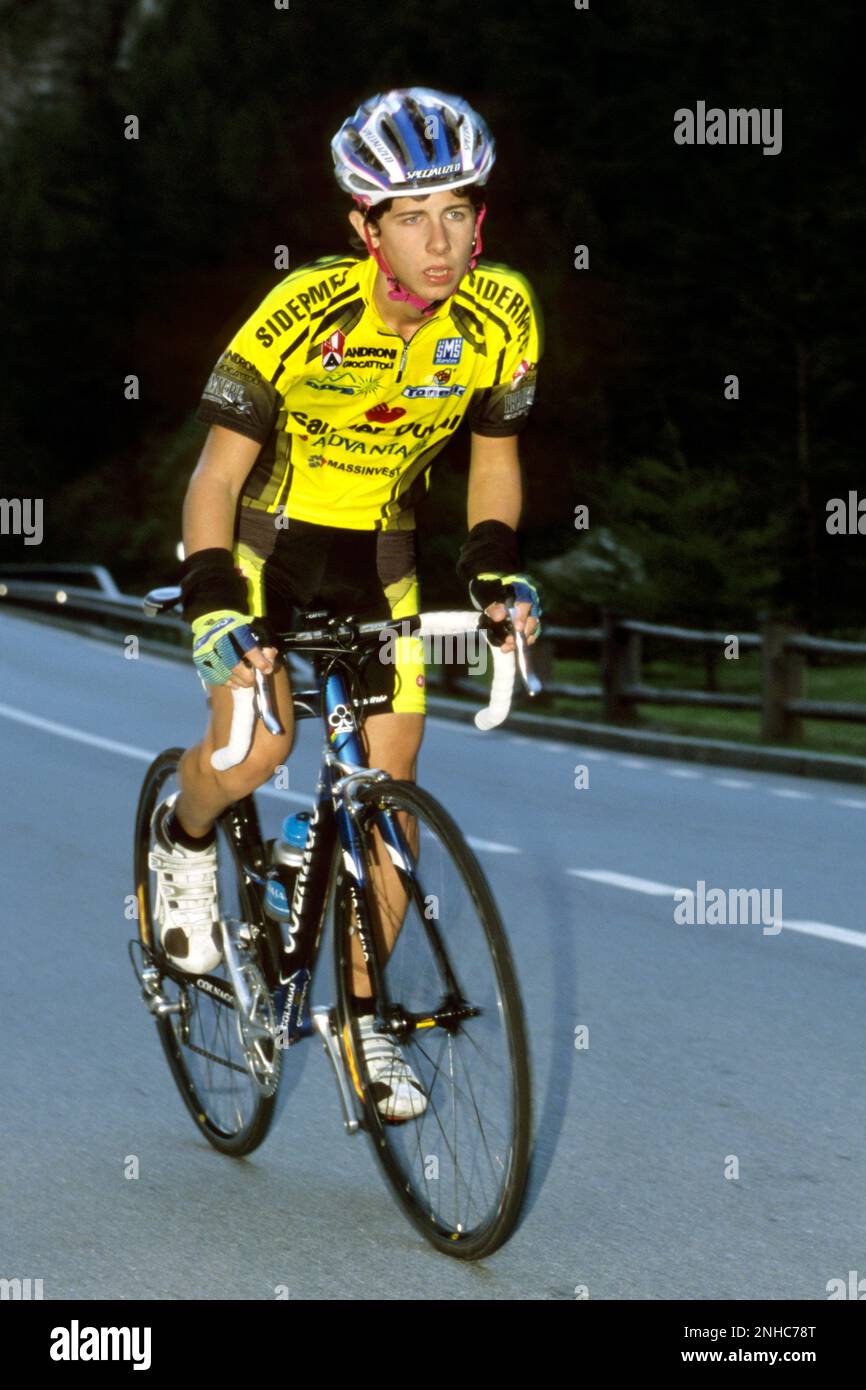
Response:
column 241, row 732
column 504, row 663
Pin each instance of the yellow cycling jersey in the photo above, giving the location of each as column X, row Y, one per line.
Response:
column 350, row 416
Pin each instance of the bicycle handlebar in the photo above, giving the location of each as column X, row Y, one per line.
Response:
column 254, row 700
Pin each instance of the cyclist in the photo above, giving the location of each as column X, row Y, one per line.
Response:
column 326, row 411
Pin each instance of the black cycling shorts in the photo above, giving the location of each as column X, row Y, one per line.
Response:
column 297, row 567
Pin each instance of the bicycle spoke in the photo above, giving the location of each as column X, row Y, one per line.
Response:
column 218, row 1071
column 439, row 961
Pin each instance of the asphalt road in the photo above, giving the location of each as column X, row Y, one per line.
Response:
column 707, row 1143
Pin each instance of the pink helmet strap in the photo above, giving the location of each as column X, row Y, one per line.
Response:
column 476, row 244
column 396, row 290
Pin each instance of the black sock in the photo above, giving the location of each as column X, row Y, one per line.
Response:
column 178, row 836
column 361, row 1004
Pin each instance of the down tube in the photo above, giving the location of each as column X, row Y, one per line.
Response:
column 345, row 744
column 303, row 932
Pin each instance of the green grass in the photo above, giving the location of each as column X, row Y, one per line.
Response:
column 830, row 682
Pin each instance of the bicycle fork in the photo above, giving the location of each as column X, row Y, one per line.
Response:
column 325, row 1023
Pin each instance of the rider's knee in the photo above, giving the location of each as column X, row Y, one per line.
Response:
column 263, row 761
column 266, row 758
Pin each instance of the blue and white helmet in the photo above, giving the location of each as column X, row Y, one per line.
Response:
column 409, row 141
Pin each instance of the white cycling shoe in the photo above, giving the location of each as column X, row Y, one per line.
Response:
column 395, row 1088
column 187, row 905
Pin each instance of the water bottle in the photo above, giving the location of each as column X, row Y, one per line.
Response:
column 286, row 855
column 290, row 849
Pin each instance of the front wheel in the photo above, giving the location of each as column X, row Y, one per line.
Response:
column 451, row 1005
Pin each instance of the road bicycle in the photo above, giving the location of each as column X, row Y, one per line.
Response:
column 444, row 988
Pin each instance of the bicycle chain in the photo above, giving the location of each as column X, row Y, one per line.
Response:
column 212, row 1057
column 200, row 1051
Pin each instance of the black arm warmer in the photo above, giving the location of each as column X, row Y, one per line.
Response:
column 491, row 545
column 208, row 581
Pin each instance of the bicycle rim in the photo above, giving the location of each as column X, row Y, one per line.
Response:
column 231, row 1106
column 459, row 1169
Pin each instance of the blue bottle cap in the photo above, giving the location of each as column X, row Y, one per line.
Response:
column 295, row 828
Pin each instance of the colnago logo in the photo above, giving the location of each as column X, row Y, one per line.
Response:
column 341, row 720
column 296, row 998
column 210, row 988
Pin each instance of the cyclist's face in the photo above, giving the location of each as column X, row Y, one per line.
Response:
column 427, row 242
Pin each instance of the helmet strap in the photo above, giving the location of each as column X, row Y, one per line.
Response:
column 477, row 245
column 396, row 291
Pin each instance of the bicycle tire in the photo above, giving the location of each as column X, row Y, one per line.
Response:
column 450, row 1237
column 253, row 1127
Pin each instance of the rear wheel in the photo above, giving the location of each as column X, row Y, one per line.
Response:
column 459, row 1168
column 227, row 1066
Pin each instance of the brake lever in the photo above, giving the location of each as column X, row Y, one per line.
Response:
column 531, row 682
column 263, row 705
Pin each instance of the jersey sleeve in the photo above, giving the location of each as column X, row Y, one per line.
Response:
column 503, row 407
column 239, row 393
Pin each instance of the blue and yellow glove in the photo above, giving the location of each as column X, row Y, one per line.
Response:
column 219, row 641
column 490, row 587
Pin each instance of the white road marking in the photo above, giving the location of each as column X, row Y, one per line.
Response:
column 127, row 750
column 828, row 932
column 636, row 764
column 682, row 772
column 49, row 726
column 492, row 846
column 637, row 885
column 791, row 794
column 849, row 801
column 734, row 784
column 825, row 930
column 548, row 745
